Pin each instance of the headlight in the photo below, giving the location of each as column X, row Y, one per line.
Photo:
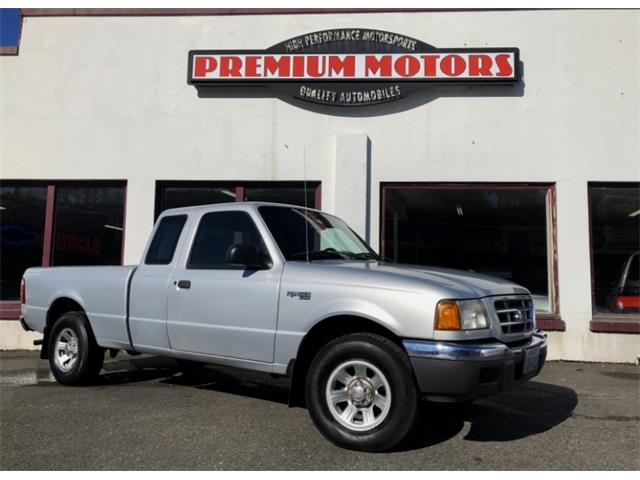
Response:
column 472, row 314
column 460, row 315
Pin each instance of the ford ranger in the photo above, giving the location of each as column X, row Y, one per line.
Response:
column 294, row 292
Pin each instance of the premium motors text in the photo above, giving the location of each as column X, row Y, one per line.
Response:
column 413, row 66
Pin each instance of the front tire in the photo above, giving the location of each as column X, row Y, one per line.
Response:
column 361, row 392
column 74, row 356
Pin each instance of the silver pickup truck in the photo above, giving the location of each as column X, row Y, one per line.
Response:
column 293, row 292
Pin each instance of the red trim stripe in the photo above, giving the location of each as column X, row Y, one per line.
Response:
column 47, row 246
column 612, row 326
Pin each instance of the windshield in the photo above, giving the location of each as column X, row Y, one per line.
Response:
column 328, row 236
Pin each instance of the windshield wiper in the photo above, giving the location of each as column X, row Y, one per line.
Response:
column 331, row 253
column 316, row 254
column 365, row 256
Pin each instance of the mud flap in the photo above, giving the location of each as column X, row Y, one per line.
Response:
column 44, row 351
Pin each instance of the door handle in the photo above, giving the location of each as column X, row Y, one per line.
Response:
column 183, row 283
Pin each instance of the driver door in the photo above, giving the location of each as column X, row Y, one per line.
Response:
column 219, row 309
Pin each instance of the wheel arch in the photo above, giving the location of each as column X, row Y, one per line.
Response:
column 57, row 308
column 321, row 333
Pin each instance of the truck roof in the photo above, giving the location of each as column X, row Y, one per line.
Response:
column 229, row 206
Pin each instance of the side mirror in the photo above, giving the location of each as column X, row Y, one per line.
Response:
column 246, row 256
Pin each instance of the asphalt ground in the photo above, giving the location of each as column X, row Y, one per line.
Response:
column 146, row 414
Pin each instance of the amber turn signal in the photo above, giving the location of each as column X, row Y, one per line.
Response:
column 447, row 316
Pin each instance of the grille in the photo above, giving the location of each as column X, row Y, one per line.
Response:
column 515, row 314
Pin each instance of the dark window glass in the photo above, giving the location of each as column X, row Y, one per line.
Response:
column 164, row 242
column 288, row 195
column 496, row 231
column 631, row 286
column 88, row 226
column 216, row 233
column 22, row 214
column 615, row 241
column 176, row 197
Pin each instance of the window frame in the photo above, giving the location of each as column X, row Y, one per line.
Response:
column 10, row 309
column 549, row 321
column 607, row 322
column 238, row 187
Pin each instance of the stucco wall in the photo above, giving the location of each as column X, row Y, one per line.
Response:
column 106, row 98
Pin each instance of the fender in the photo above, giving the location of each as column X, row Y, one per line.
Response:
column 353, row 307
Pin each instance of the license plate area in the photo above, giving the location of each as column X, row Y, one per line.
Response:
column 531, row 360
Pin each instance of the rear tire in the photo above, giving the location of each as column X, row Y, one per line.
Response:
column 361, row 393
column 74, row 356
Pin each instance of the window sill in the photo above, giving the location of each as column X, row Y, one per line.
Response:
column 9, row 310
column 550, row 323
column 9, row 50
column 615, row 323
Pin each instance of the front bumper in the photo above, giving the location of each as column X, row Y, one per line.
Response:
column 457, row 372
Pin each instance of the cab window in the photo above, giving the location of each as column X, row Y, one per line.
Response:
column 164, row 242
column 217, row 232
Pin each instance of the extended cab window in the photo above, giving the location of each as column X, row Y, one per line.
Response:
column 217, row 232
column 165, row 240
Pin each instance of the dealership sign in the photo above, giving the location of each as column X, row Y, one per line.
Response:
column 352, row 67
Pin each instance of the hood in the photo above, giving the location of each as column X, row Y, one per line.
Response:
column 448, row 282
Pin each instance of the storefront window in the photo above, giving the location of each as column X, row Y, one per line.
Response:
column 173, row 194
column 496, row 230
column 22, row 215
column 290, row 195
column 615, row 244
column 84, row 227
column 88, row 226
column 189, row 196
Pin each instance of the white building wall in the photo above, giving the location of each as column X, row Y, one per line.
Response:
column 106, row 98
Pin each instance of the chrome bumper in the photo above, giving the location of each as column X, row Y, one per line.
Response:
column 469, row 351
column 454, row 372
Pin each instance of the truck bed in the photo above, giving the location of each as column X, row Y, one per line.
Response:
column 100, row 291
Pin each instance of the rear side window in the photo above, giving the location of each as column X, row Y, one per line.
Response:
column 217, row 232
column 163, row 245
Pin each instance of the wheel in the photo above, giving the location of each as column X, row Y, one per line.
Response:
column 361, row 393
column 74, row 356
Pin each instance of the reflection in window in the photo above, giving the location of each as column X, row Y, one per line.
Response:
column 299, row 232
column 22, row 214
column 88, row 226
column 497, row 231
column 287, row 195
column 176, row 197
column 615, row 242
